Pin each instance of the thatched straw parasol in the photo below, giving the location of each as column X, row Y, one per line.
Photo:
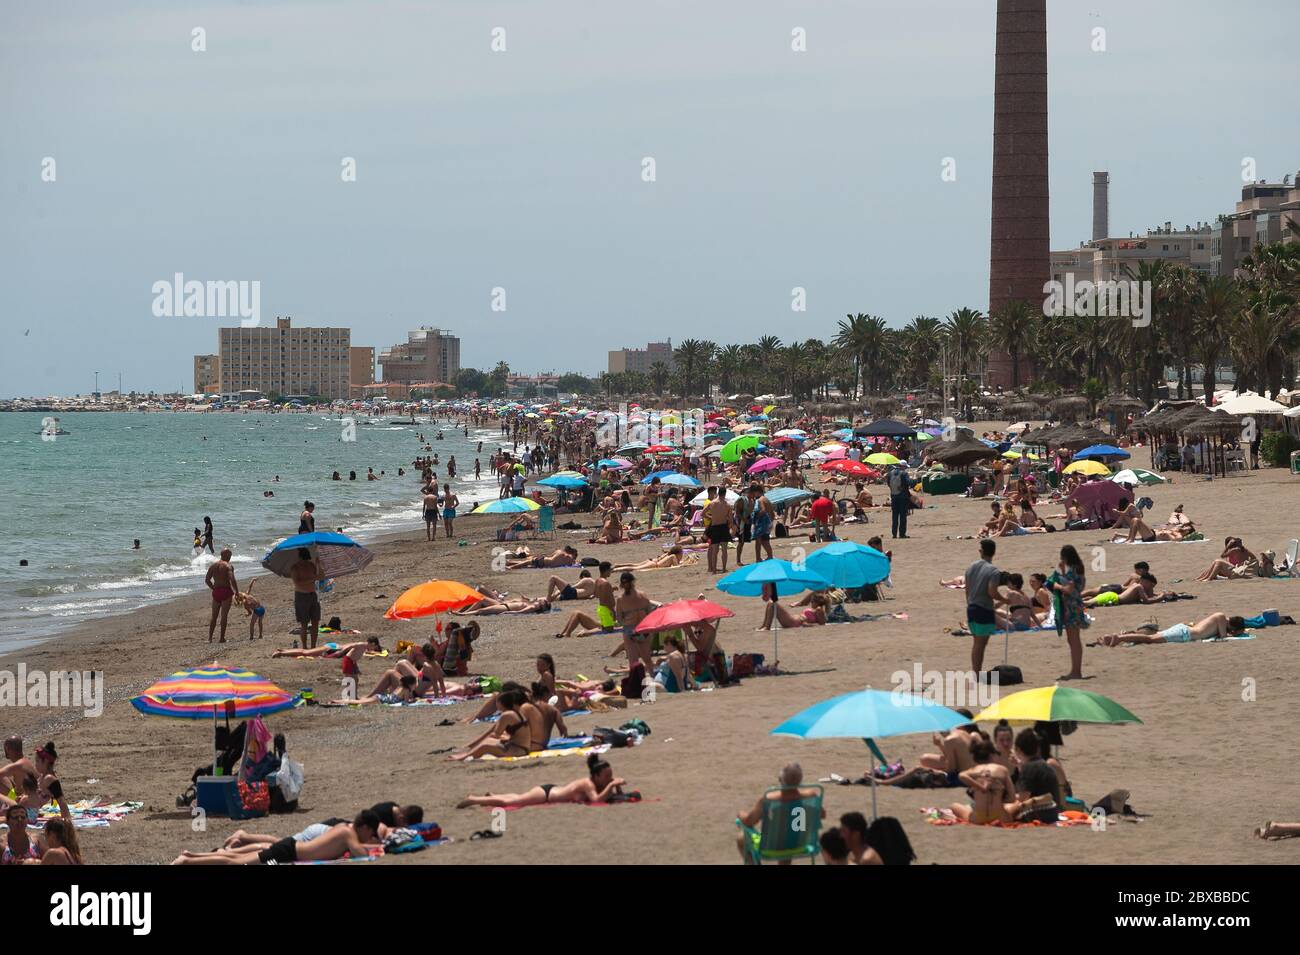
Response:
column 1068, row 405
column 963, row 450
column 1122, row 403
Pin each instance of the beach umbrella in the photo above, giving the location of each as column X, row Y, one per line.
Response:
column 784, row 495
column 1054, row 703
column 614, row 464
column 813, row 456
column 788, row 578
column 851, row 468
column 1138, row 476
column 792, row 432
column 765, row 464
column 884, row 428
column 649, row 478
column 880, row 457
column 562, row 481
column 870, row 715
column 731, row 451
column 699, row 500
column 679, row 480
column 660, row 448
column 924, row 436
column 1086, row 467
column 506, row 505
column 848, row 564
column 335, row 554
column 1100, row 451
column 632, row 447
column 681, row 613
column 432, row 597
column 211, row 691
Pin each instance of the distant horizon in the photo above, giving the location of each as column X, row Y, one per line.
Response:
column 388, row 166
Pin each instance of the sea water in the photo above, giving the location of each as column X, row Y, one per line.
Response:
column 72, row 506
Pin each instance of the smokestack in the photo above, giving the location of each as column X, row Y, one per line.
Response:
column 1100, row 205
column 1020, row 247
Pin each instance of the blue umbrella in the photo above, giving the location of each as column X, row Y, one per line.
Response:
column 609, row 463
column 783, row 495
column 680, row 480
column 335, row 554
column 563, row 481
column 846, row 564
column 870, row 715
column 656, row 474
column 1101, row 451
column 748, row 581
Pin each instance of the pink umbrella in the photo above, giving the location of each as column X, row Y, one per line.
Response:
column 1098, row 498
column 765, row 464
column 681, row 613
column 836, row 455
column 710, row 426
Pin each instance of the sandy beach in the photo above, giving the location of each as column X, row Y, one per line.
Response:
column 1201, row 745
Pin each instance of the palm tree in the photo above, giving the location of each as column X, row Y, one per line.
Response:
column 659, row 372
column 1179, row 290
column 766, row 351
column 851, row 338
column 1147, row 357
column 1013, row 329
column 921, row 339
column 963, row 333
column 1217, row 308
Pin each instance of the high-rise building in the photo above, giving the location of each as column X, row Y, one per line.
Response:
column 641, row 360
column 362, row 369
column 207, row 374
column 428, row 355
column 285, row 360
column 1020, row 240
column 1263, row 215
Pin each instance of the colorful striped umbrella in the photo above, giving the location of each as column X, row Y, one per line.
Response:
column 507, row 505
column 194, row 694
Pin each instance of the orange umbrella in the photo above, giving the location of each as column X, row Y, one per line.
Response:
column 436, row 596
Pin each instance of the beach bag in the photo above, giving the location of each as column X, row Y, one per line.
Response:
column 589, row 562
column 1007, row 674
column 254, row 796
column 781, row 530
column 743, row 664
column 616, row 739
column 635, row 726
column 289, row 779
column 633, row 682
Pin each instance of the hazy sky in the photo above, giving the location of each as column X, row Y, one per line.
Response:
column 523, row 169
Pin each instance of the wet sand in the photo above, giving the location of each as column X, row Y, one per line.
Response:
column 1201, row 750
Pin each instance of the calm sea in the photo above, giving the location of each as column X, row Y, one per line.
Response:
column 71, row 507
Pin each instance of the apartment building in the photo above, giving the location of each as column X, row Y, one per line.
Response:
column 285, row 360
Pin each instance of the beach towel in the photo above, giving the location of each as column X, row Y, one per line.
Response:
column 435, row 701
column 588, row 805
column 567, row 713
column 945, row 817
column 566, row 747
column 93, row 813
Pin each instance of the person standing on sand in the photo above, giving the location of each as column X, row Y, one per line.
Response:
column 306, row 605
column 430, row 493
column 449, row 504
column 220, row 579
column 717, row 529
column 307, row 519
column 631, row 607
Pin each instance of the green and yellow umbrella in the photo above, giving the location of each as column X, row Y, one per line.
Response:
column 882, row 457
column 731, row 451
column 1054, row 703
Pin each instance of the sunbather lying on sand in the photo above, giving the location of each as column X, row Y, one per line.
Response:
column 557, row 588
column 353, row 651
column 1278, row 830
column 404, row 693
column 489, row 606
column 600, row 785
column 566, row 556
column 1217, row 626
column 1142, row 592
column 670, row 558
column 357, row 839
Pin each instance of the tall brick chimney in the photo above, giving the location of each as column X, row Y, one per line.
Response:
column 1100, row 205
column 1020, row 246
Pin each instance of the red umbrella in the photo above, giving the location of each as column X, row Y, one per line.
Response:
column 853, row 468
column 681, row 613
column 659, row 448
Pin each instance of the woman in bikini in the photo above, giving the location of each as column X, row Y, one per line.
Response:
column 333, row 650
column 1233, row 563
column 510, row 605
column 600, row 785
column 509, row 736
column 671, row 558
column 992, row 790
column 1021, row 612
column 813, row 615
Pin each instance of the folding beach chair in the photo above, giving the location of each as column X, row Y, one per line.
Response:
column 790, row 829
column 1292, row 555
column 545, row 523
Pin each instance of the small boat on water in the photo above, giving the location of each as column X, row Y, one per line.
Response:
column 51, row 427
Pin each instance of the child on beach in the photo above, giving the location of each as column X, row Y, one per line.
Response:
column 253, row 609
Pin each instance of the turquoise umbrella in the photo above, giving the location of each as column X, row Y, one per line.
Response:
column 563, row 481
column 869, row 715
column 846, row 564
column 788, row 578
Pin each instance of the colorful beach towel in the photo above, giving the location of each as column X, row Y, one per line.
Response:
column 945, row 817
column 573, row 746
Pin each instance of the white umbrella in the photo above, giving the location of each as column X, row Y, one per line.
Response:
column 699, row 500
column 1250, row 403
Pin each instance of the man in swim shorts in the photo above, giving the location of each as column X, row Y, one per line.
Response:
column 631, row 607
column 355, row 839
column 1217, row 626
column 306, row 605
column 983, row 594
column 220, row 579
